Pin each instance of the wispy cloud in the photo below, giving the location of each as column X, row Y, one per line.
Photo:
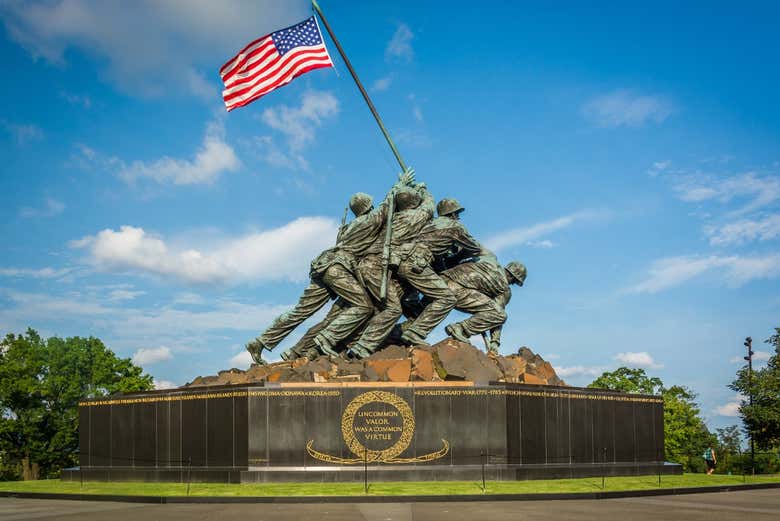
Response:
column 118, row 295
column 544, row 244
column 214, row 158
column 51, row 208
column 42, row 273
column 277, row 254
column 736, row 270
column 416, row 108
column 529, row 235
column 23, row 133
column 752, row 189
column 381, row 84
column 745, row 230
column 399, row 48
column 130, row 326
column 298, row 125
column 737, row 208
column 642, row 359
column 627, row 108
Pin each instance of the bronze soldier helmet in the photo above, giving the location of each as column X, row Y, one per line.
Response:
column 448, row 207
column 360, row 203
column 406, row 199
column 517, row 271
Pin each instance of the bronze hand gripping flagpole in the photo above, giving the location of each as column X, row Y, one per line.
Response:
column 389, row 225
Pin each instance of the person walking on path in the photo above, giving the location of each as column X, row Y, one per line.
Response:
column 710, row 459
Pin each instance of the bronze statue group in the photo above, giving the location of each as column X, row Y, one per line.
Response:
column 395, row 259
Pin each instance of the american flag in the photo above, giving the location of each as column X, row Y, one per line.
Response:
column 272, row 61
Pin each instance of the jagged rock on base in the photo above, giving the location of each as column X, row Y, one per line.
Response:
column 446, row 360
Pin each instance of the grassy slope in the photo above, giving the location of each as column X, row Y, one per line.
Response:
column 379, row 489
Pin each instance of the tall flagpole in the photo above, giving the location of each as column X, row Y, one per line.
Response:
column 360, row 86
column 396, row 153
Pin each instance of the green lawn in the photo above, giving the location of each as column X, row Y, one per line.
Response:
column 381, row 489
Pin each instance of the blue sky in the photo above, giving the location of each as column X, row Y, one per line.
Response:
column 629, row 156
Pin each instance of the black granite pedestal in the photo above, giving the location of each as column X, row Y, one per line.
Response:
column 393, row 431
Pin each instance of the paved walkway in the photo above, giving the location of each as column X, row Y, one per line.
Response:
column 756, row 505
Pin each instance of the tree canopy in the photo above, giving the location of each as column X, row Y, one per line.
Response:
column 627, row 380
column 762, row 418
column 41, row 384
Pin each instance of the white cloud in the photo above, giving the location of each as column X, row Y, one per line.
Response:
column 758, row 190
column 399, row 48
column 267, row 150
column 42, row 273
column 52, row 207
column 124, row 294
column 164, row 384
column 758, row 357
column 627, row 108
column 189, row 299
column 413, row 137
column 731, row 408
column 299, row 127
column 149, row 47
column 579, row 370
column 416, row 109
column 242, row 360
column 214, row 157
column 381, row 84
column 745, row 230
column 641, row 359
column 277, row 254
column 152, row 356
column 528, row 235
column 298, row 124
column 735, row 270
column 545, row 244
column 23, row 133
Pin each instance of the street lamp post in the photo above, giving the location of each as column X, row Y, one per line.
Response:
column 749, row 344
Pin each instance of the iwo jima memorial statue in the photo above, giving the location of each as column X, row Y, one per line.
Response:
column 362, row 392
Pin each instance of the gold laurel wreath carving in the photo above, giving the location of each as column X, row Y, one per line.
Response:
column 366, row 455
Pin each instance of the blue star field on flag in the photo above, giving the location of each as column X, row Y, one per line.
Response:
column 305, row 33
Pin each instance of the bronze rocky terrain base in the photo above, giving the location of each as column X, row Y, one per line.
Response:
column 446, row 361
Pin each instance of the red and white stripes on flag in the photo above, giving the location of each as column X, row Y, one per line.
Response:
column 272, row 61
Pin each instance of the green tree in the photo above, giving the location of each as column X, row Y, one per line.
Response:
column 762, row 418
column 729, row 449
column 41, row 384
column 627, row 380
column 685, row 434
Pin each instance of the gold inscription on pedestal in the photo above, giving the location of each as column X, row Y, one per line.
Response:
column 377, row 427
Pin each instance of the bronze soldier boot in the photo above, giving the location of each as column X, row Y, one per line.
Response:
column 413, row 339
column 325, row 345
column 255, row 348
column 311, row 353
column 289, row 355
column 456, row 331
column 359, row 351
